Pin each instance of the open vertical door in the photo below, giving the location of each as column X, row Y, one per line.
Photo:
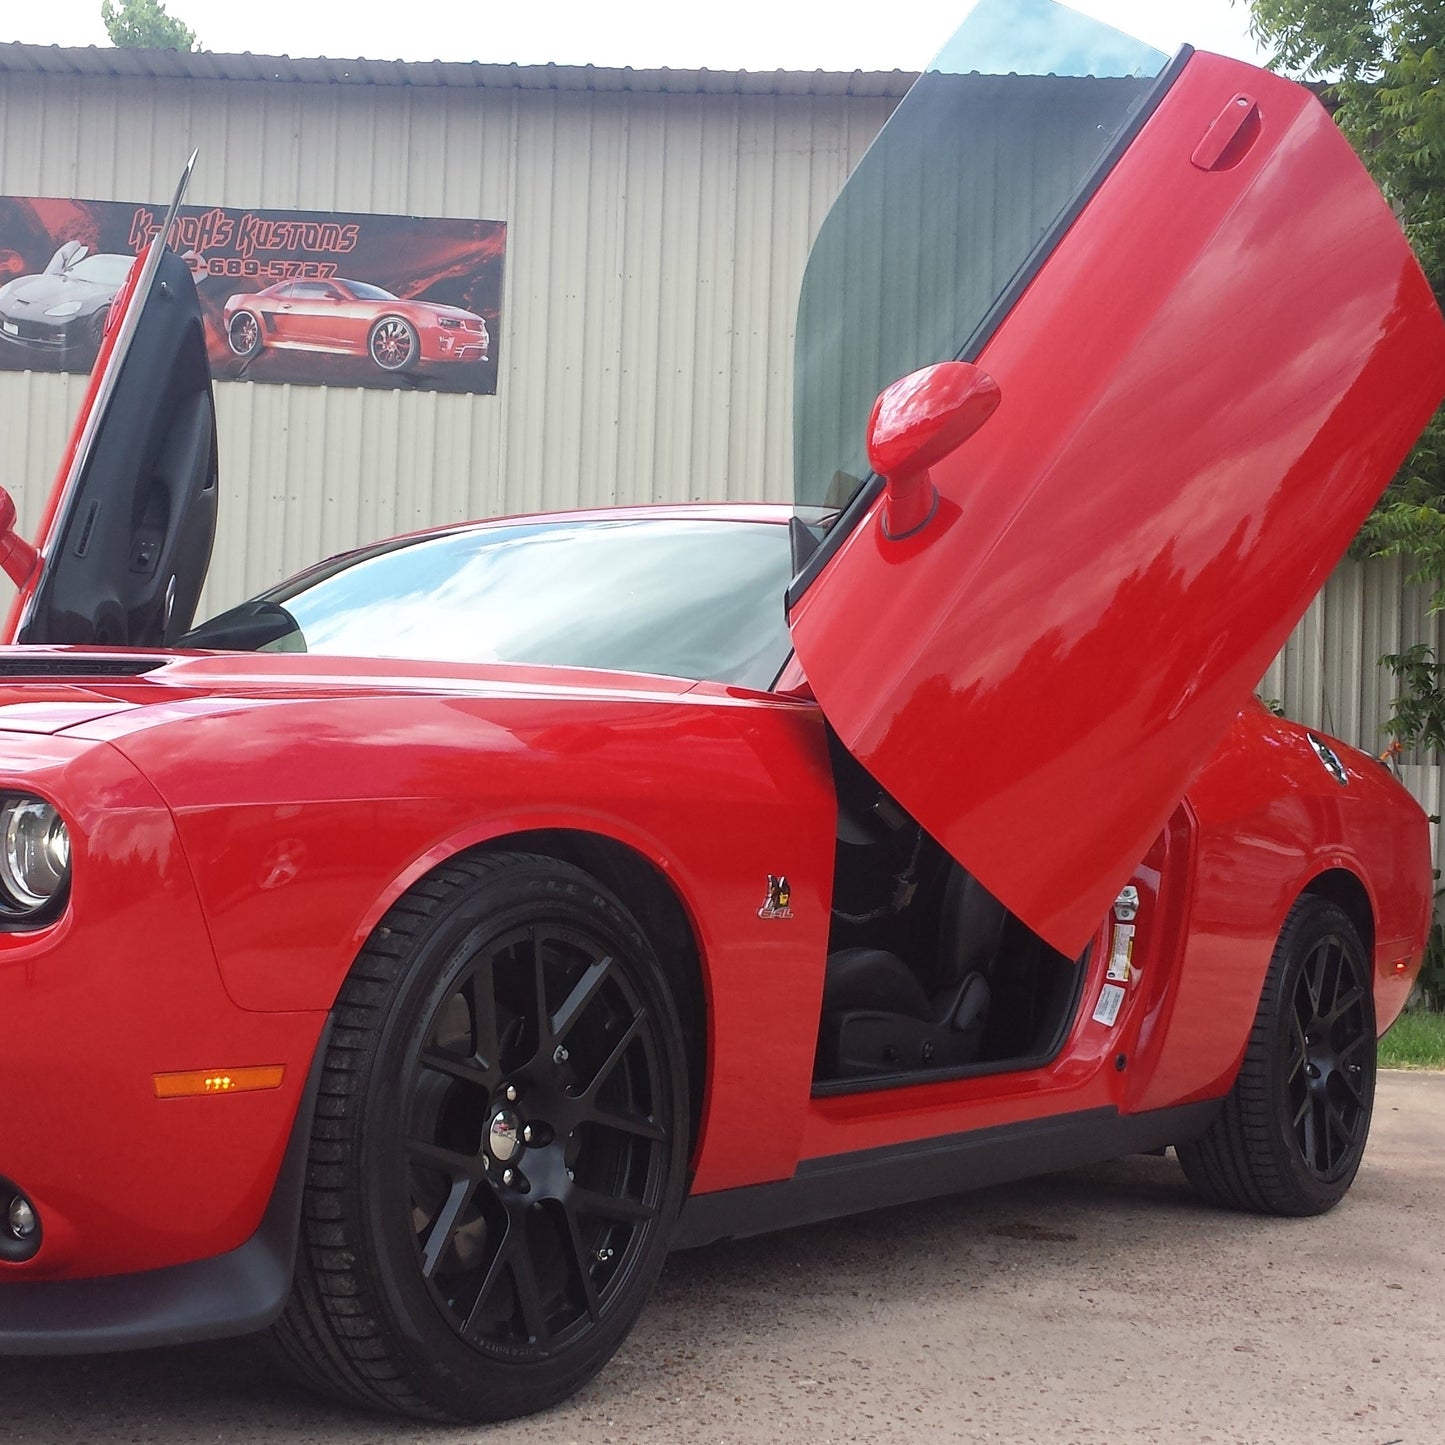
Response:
column 126, row 539
column 1211, row 347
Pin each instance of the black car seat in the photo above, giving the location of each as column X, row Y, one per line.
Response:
column 881, row 1017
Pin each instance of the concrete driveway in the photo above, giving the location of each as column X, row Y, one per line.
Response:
column 1098, row 1306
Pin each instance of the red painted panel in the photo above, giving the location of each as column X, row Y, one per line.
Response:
column 1202, row 394
column 124, row 985
column 304, row 816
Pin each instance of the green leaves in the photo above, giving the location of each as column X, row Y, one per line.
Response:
column 1419, row 711
column 144, row 24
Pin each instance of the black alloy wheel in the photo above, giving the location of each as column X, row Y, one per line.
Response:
column 393, row 344
column 1331, row 1029
column 244, row 333
column 499, row 1150
column 1292, row 1131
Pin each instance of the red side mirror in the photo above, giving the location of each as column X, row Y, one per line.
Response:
column 18, row 559
column 917, row 422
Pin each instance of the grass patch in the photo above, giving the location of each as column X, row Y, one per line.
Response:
column 1415, row 1041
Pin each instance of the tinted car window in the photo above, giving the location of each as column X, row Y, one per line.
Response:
column 104, row 270
column 990, row 148
column 677, row 598
column 364, row 291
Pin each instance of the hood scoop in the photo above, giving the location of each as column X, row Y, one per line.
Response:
column 18, row 662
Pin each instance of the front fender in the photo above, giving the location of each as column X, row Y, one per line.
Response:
column 303, row 819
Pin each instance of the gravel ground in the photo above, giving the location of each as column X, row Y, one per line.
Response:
column 1097, row 1306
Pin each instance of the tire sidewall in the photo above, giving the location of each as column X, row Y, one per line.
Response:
column 231, row 336
column 485, row 1384
column 412, row 355
column 1313, row 925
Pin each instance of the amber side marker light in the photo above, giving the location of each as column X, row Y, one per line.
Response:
column 194, row 1082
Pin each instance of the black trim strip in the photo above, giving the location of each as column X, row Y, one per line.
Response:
column 236, row 1293
column 863, row 498
column 904, row 1173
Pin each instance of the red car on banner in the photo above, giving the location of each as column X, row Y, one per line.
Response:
column 407, row 958
column 354, row 318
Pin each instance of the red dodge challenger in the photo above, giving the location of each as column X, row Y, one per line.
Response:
column 406, row 959
column 353, row 318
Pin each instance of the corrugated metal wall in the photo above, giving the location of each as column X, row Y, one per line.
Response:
column 654, row 251
column 1328, row 674
column 655, row 248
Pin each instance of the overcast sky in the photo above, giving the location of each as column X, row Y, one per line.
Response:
column 735, row 35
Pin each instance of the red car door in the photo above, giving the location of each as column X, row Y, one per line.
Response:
column 1215, row 354
column 126, row 539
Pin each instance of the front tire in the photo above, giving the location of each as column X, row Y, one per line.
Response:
column 1292, row 1131
column 499, row 1148
column 393, row 344
column 243, row 332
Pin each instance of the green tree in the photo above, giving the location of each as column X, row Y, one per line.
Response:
column 145, row 25
column 1383, row 62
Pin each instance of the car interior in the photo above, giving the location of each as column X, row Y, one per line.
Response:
column 928, row 974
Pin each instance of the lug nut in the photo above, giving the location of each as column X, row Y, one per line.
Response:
column 560, row 1055
column 21, row 1217
column 508, row 1175
column 511, row 1094
column 526, row 1133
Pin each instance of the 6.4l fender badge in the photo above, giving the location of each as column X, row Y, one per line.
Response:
column 778, row 903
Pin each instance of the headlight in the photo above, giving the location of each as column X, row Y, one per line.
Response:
column 34, row 855
column 66, row 308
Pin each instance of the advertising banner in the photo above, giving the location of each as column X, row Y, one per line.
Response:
column 311, row 298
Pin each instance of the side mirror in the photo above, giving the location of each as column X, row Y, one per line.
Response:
column 916, row 423
column 18, row 559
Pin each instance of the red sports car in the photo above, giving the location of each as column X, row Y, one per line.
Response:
column 407, row 958
column 353, row 318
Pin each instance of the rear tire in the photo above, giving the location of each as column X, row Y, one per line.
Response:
column 499, row 1147
column 1293, row 1129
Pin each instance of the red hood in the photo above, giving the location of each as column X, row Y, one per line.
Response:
column 104, row 684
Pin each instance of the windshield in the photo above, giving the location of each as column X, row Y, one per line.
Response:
column 102, row 270
column 667, row 596
column 950, row 211
column 365, row 291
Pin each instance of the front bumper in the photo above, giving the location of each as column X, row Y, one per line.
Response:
column 123, row 986
column 40, row 334
column 235, row 1293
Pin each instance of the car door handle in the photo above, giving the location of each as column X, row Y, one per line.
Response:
column 1233, row 131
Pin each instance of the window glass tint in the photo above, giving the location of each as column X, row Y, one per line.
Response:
column 104, row 270
column 985, row 153
column 678, row 598
column 364, row 291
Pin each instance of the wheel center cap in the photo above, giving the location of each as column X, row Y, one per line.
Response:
column 504, row 1136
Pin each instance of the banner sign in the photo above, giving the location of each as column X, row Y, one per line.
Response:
column 311, row 298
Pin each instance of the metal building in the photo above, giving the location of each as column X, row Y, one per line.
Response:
column 658, row 224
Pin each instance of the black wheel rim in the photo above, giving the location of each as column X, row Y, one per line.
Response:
column 391, row 344
column 244, row 334
column 535, row 1138
column 1327, row 1072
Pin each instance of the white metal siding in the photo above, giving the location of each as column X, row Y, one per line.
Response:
column 655, row 245
column 1328, row 675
